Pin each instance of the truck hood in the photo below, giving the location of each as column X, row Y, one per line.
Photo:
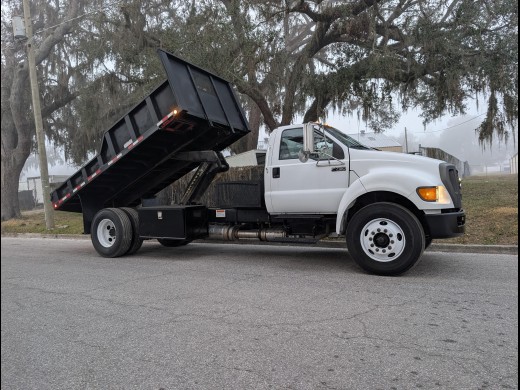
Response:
column 388, row 166
column 393, row 157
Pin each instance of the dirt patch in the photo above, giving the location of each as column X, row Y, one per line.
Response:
column 506, row 210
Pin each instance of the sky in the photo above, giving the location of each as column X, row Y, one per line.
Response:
column 453, row 134
column 410, row 120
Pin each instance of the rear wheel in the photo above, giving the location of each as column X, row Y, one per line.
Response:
column 137, row 242
column 111, row 232
column 172, row 243
column 385, row 239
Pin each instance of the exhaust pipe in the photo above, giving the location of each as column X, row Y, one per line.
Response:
column 233, row 233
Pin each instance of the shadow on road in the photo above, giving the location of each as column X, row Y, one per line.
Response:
column 295, row 258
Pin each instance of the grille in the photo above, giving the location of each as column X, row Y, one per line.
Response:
column 450, row 178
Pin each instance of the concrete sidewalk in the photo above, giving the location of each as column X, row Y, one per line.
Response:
column 328, row 243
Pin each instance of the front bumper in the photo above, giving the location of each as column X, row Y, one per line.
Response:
column 446, row 225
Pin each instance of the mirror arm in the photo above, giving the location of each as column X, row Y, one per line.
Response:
column 330, row 157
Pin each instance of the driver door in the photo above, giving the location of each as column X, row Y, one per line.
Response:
column 312, row 187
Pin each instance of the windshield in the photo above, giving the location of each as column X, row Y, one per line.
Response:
column 345, row 139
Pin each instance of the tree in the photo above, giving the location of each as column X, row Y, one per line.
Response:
column 54, row 158
column 17, row 126
column 288, row 58
column 74, row 82
column 375, row 57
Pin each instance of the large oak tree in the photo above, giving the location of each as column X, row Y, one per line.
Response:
column 17, row 127
column 372, row 57
column 80, row 90
column 294, row 59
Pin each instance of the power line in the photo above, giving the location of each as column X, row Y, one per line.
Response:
column 447, row 128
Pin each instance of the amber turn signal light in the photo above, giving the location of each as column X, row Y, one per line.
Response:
column 428, row 194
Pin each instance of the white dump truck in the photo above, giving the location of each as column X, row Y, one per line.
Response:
column 318, row 182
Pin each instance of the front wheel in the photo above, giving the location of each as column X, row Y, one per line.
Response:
column 385, row 239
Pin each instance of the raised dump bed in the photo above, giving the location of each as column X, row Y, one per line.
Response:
column 145, row 151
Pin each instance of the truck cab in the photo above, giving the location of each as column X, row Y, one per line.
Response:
column 315, row 169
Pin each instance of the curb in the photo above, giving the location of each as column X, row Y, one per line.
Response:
column 473, row 248
column 48, row 235
column 331, row 243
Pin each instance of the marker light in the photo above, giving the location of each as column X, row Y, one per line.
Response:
column 168, row 118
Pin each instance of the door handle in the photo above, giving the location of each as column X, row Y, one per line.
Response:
column 276, row 173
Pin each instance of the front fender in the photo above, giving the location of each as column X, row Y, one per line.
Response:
column 354, row 191
column 402, row 183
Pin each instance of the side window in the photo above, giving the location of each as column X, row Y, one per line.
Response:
column 322, row 144
column 325, row 146
column 291, row 143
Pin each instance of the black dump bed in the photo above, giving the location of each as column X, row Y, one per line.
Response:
column 193, row 110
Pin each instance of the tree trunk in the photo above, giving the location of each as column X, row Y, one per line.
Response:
column 12, row 165
column 250, row 141
column 255, row 120
column 16, row 141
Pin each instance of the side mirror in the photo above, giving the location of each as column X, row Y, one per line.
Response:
column 303, row 156
column 308, row 142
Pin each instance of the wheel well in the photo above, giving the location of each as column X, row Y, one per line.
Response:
column 384, row 196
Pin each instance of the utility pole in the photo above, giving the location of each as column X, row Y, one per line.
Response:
column 406, row 139
column 38, row 121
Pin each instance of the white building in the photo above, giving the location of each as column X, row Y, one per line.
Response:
column 34, row 184
column 249, row 158
column 377, row 141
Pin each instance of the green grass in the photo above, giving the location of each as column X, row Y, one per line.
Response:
column 491, row 205
column 34, row 222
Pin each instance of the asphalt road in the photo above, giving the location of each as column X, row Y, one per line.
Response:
column 217, row 316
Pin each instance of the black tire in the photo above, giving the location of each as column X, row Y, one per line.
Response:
column 172, row 243
column 111, row 232
column 137, row 241
column 385, row 239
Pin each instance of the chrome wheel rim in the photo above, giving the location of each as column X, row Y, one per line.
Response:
column 106, row 233
column 382, row 240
